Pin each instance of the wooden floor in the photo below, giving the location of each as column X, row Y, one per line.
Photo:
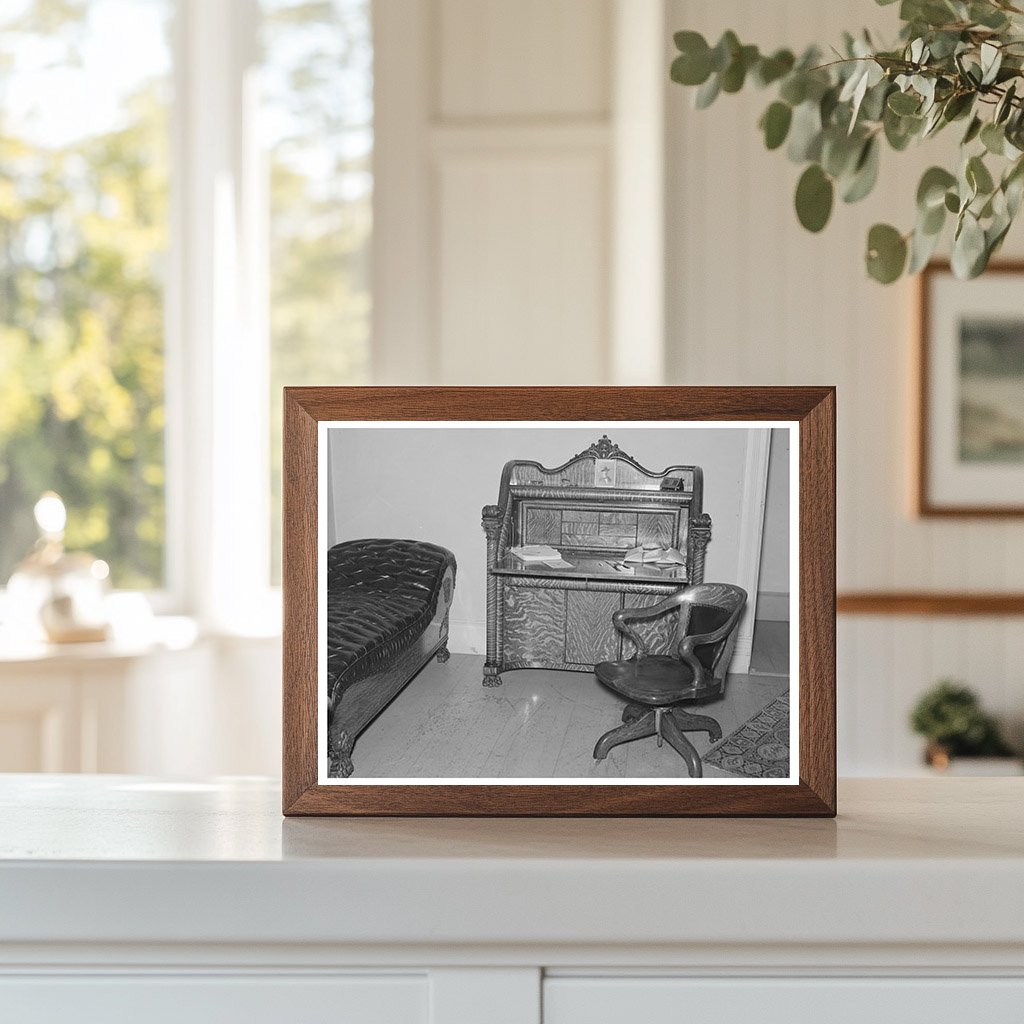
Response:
column 538, row 724
column 770, row 653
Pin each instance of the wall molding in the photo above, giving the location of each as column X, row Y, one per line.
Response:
column 929, row 603
column 748, row 555
column 772, row 606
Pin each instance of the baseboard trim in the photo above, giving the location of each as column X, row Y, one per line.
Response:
column 772, row 606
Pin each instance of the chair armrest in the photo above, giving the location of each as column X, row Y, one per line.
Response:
column 624, row 616
column 688, row 643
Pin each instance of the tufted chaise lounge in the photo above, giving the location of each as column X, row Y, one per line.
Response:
column 387, row 616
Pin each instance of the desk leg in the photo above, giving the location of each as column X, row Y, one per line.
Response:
column 491, row 521
column 492, row 666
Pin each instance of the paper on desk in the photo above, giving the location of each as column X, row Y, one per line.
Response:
column 662, row 556
column 536, row 553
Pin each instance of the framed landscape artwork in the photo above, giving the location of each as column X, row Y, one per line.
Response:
column 559, row 601
column 970, row 445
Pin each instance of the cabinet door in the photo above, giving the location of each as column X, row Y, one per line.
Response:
column 783, row 1000
column 534, row 626
column 203, row 999
column 590, row 636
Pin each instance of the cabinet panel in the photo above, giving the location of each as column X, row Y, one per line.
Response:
column 201, row 999
column 783, row 1000
column 534, row 625
column 590, row 636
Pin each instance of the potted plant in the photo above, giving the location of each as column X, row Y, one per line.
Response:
column 950, row 717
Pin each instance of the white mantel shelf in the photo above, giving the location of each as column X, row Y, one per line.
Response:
column 122, row 859
column 198, row 901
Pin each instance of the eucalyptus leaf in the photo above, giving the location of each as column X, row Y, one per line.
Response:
column 814, row 195
column 932, row 221
column 771, row 69
column 794, row 88
column 931, row 190
column 707, row 93
column 922, row 247
column 724, row 51
column 691, row 69
column 904, row 103
column 958, row 105
column 978, row 176
column 865, row 173
column 968, row 247
column 900, row 130
column 973, row 130
column 735, row 74
column 991, row 60
column 840, row 152
column 886, row 253
column 1005, row 105
column 775, row 124
column 805, row 133
column 993, row 138
column 987, row 15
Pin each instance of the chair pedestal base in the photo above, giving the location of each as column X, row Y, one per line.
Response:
column 667, row 724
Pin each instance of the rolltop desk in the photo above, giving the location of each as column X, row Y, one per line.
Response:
column 593, row 509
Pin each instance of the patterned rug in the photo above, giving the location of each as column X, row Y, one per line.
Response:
column 759, row 748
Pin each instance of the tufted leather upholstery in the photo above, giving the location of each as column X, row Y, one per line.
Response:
column 381, row 595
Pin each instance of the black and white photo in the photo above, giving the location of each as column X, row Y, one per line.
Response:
column 526, row 602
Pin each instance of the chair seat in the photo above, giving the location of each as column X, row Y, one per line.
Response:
column 656, row 680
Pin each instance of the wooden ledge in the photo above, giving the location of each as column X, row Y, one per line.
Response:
column 928, row 603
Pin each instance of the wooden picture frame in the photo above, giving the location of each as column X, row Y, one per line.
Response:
column 942, row 488
column 810, row 792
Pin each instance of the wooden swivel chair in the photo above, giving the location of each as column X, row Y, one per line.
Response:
column 656, row 684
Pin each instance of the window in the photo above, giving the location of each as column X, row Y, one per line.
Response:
column 317, row 117
column 83, row 236
column 124, row 208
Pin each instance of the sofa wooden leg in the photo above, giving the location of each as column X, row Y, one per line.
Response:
column 492, row 677
column 339, row 753
column 443, row 655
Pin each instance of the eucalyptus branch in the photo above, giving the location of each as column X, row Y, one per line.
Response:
column 833, row 117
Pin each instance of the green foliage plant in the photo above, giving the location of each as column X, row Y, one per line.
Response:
column 957, row 61
column 949, row 716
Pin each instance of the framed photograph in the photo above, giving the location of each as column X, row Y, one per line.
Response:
column 559, row 601
column 970, row 444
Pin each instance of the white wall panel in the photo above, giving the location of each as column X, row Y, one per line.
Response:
column 522, row 279
column 531, row 58
column 493, row 202
column 754, row 299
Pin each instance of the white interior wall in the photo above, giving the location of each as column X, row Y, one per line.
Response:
column 773, row 581
column 431, row 484
column 493, row 191
column 754, row 299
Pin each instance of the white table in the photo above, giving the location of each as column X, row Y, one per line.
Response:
column 197, row 902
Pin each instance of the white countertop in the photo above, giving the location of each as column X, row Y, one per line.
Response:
column 121, row 859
